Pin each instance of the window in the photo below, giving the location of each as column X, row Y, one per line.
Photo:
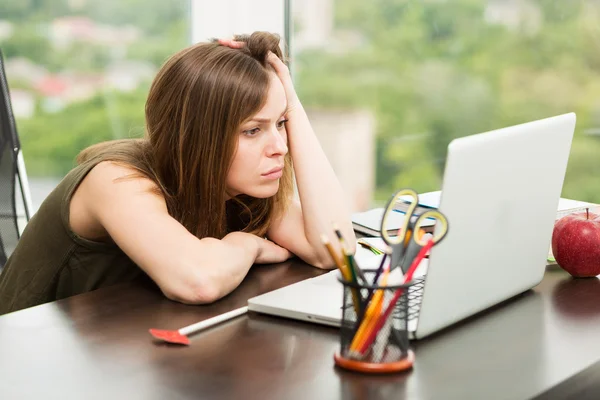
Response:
column 79, row 73
column 224, row 18
column 402, row 78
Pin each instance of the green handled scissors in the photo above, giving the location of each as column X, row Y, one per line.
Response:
column 409, row 241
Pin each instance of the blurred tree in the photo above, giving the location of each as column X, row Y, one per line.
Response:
column 51, row 141
column 26, row 42
column 154, row 17
column 430, row 71
column 435, row 70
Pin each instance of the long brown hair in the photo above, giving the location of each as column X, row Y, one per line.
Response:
column 196, row 105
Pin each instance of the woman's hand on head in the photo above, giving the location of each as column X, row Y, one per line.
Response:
column 271, row 253
column 231, row 43
column 283, row 73
column 280, row 68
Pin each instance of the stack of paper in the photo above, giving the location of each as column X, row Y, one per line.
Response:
column 369, row 222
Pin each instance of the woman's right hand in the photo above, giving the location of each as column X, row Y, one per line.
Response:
column 271, row 253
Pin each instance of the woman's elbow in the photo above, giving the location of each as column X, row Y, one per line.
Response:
column 196, row 291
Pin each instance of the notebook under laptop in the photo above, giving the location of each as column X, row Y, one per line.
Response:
column 500, row 192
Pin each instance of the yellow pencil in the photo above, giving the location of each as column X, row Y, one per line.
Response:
column 338, row 262
column 346, row 270
column 352, row 271
column 352, row 267
column 373, row 310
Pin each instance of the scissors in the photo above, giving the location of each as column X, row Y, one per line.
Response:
column 409, row 241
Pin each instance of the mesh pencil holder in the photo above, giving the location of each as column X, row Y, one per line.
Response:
column 374, row 328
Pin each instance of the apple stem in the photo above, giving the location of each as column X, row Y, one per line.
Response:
column 587, row 213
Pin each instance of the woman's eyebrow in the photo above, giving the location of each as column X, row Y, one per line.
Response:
column 263, row 119
column 259, row 119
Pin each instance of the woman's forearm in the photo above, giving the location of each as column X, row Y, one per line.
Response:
column 322, row 199
column 213, row 268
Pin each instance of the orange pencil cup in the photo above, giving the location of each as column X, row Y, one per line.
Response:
column 374, row 335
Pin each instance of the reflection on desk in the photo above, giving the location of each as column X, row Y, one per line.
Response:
column 97, row 346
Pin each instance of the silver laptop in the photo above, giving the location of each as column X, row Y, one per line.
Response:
column 500, row 192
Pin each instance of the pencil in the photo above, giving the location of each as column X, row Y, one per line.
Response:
column 338, row 262
column 373, row 308
column 354, row 269
column 380, row 321
column 375, row 280
column 344, row 269
column 369, row 246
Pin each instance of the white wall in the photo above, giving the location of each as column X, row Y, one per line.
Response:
column 224, row 18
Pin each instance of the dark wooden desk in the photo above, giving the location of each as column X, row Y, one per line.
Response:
column 97, row 346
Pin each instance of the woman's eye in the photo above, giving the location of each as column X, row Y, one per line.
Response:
column 281, row 123
column 251, row 132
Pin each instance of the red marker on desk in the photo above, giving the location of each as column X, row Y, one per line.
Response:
column 181, row 336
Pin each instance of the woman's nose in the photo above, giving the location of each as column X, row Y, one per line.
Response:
column 278, row 142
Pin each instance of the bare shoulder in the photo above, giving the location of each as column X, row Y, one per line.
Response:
column 108, row 176
column 112, row 184
column 108, row 191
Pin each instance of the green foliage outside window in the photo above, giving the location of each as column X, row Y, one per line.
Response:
column 429, row 70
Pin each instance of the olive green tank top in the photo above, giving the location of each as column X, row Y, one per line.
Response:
column 51, row 262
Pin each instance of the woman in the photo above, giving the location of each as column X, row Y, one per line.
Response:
column 205, row 195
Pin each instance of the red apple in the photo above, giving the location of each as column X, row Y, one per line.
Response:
column 576, row 244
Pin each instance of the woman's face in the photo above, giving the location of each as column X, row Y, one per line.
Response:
column 262, row 145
